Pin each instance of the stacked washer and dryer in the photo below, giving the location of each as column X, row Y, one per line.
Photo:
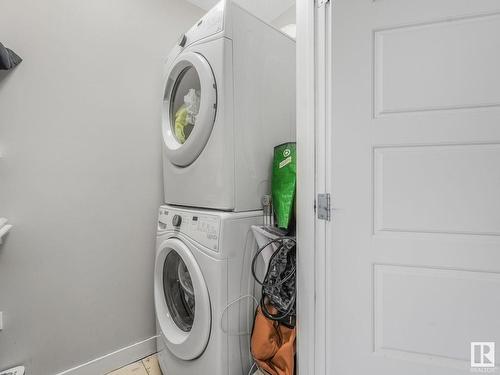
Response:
column 229, row 99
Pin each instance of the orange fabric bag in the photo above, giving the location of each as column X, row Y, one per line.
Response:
column 273, row 345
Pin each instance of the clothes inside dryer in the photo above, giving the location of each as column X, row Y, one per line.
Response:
column 179, row 292
column 185, row 104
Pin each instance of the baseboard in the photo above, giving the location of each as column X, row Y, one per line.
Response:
column 116, row 359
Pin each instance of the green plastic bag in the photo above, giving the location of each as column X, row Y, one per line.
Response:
column 284, row 182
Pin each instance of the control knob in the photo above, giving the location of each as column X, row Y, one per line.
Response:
column 177, row 220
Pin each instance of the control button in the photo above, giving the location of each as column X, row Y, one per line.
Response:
column 177, row 220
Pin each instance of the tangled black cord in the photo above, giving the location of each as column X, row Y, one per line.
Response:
column 287, row 315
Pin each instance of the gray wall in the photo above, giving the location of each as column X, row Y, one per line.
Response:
column 80, row 174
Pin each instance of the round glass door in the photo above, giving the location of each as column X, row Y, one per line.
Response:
column 189, row 108
column 182, row 302
column 179, row 291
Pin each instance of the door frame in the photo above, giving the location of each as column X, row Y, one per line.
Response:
column 313, row 115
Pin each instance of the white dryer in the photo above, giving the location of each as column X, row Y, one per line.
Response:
column 229, row 99
column 203, row 262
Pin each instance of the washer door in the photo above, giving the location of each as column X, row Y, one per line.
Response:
column 189, row 108
column 181, row 300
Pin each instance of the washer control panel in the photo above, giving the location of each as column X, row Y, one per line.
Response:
column 201, row 227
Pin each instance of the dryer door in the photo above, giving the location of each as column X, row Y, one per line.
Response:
column 181, row 300
column 189, row 108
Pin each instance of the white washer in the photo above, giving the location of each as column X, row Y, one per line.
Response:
column 203, row 262
column 240, row 74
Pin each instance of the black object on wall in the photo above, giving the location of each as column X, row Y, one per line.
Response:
column 8, row 58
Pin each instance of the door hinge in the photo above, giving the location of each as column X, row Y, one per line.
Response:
column 322, row 3
column 324, row 206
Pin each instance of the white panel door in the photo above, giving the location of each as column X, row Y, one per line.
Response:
column 413, row 167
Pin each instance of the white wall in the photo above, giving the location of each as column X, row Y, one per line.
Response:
column 286, row 18
column 80, row 176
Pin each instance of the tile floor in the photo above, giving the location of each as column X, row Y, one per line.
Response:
column 146, row 366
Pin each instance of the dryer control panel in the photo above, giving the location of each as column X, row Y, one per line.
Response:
column 210, row 24
column 202, row 228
